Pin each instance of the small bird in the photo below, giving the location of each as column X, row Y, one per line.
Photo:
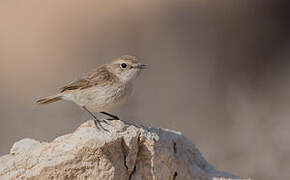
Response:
column 102, row 89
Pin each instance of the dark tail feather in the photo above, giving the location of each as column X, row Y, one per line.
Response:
column 48, row 100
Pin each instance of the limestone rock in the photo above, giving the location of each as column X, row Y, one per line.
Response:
column 127, row 152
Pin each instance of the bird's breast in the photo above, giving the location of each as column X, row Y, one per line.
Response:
column 101, row 98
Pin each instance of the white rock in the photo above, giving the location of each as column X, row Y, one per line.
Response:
column 128, row 152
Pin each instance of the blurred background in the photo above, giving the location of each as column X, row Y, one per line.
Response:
column 219, row 72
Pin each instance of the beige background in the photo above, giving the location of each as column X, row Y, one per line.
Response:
column 219, row 72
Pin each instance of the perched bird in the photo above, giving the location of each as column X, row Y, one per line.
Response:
column 101, row 89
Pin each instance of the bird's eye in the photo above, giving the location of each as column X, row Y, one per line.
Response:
column 123, row 65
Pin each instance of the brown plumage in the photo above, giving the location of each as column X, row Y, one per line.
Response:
column 103, row 88
column 48, row 100
column 98, row 76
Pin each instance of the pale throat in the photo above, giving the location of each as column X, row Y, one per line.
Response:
column 127, row 77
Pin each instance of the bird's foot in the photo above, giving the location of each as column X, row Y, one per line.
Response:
column 99, row 125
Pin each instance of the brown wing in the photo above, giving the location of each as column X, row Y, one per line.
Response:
column 99, row 76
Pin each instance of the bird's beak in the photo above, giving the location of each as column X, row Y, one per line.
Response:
column 141, row 66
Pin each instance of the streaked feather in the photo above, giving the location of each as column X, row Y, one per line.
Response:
column 99, row 76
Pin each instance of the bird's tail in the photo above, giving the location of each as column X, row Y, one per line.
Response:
column 49, row 99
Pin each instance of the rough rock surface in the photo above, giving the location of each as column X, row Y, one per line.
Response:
column 128, row 152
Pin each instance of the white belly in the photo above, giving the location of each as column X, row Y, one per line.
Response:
column 100, row 98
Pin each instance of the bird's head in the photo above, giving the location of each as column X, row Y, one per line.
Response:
column 126, row 68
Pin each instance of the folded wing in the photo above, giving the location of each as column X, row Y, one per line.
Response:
column 100, row 76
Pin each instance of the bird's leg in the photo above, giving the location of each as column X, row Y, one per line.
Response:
column 113, row 117
column 96, row 120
